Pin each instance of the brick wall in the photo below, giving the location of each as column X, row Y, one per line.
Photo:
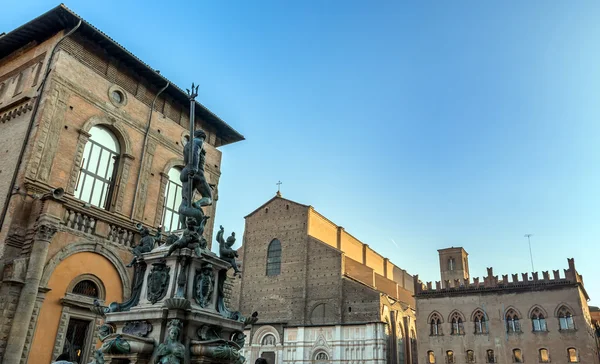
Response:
column 279, row 298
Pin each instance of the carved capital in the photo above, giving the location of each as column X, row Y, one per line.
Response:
column 45, row 232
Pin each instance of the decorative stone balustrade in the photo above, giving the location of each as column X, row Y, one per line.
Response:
column 100, row 224
column 79, row 221
column 119, row 235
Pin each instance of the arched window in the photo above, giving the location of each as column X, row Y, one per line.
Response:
column 274, row 258
column 98, row 168
column 489, row 356
column 172, row 201
column 449, row 357
column 435, row 323
column 268, row 340
column 573, row 357
column 512, row 321
column 470, row 356
column 544, row 356
column 86, row 288
column 538, row 320
column 480, row 322
column 457, row 324
column 517, row 356
column 565, row 319
column 430, row 357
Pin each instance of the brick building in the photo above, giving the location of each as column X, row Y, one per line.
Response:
column 81, row 113
column 524, row 319
column 323, row 296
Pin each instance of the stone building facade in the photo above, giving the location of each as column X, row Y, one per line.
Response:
column 522, row 319
column 322, row 295
column 78, row 112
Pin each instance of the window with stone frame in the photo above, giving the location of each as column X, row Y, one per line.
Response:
column 274, row 258
column 572, row 356
column 430, row 357
column 450, row 357
column 76, row 337
column 517, row 356
column 544, row 356
column 99, row 165
column 480, row 322
column 512, row 322
column 470, row 356
column 456, row 321
column 538, row 320
column 490, row 357
column 565, row 319
column 435, row 324
column 170, row 219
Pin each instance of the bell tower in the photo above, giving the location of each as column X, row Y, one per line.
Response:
column 454, row 264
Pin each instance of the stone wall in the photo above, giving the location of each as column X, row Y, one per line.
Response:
column 495, row 305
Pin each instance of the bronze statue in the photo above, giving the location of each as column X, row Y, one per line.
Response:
column 171, row 351
column 192, row 237
column 146, row 243
column 225, row 251
column 192, row 175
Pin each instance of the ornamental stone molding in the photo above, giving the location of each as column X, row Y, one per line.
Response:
column 45, row 232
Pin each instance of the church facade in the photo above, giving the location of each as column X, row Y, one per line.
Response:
column 92, row 145
column 323, row 295
column 522, row 319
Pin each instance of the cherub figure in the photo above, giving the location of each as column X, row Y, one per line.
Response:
column 146, row 243
column 191, row 238
column 225, row 251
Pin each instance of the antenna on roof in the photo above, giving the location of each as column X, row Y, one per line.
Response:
column 528, row 236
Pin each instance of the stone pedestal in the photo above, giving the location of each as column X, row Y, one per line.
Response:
column 181, row 314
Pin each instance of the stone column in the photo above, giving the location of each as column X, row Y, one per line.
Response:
column 29, row 293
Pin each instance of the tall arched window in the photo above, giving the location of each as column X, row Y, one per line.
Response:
column 435, row 323
column 544, row 356
column 457, row 324
column 538, row 320
column 480, row 322
column 489, row 356
column 517, row 356
column 449, row 357
column 172, row 201
column 430, row 357
column 573, row 357
column 470, row 356
column 512, row 321
column 565, row 319
column 95, row 184
column 274, row 258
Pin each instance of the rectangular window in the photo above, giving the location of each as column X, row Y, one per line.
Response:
column 75, row 340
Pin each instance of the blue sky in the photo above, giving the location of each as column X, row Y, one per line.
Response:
column 436, row 124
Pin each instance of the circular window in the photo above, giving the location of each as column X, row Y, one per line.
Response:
column 117, row 96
